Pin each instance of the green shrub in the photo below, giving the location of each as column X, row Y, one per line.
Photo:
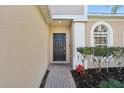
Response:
column 102, row 51
column 111, row 83
column 86, row 50
column 117, row 51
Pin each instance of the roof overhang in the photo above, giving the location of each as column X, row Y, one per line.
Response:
column 106, row 16
column 44, row 9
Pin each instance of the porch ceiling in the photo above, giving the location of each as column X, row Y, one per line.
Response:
column 61, row 22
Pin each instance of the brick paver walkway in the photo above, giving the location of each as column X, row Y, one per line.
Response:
column 59, row 76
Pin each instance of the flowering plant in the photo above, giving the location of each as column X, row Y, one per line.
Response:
column 79, row 69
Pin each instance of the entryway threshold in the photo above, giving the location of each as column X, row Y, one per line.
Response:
column 59, row 62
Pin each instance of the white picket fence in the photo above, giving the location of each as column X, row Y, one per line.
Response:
column 92, row 61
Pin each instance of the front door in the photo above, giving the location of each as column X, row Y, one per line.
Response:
column 59, row 47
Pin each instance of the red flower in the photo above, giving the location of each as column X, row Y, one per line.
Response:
column 79, row 68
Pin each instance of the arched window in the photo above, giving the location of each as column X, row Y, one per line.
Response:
column 101, row 34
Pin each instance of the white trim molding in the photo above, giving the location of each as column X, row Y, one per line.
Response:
column 78, row 36
column 110, row 33
column 74, row 17
column 115, row 15
column 86, row 11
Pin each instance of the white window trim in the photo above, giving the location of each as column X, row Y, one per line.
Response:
column 110, row 33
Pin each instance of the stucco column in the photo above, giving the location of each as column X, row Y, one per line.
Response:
column 78, row 38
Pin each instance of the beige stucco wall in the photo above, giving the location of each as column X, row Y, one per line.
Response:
column 117, row 27
column 23, row 46
column 60, row 29
column 67, row 9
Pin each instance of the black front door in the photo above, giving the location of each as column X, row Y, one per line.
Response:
column 59, row 47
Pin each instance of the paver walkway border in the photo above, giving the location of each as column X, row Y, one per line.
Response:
column 60, row 76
